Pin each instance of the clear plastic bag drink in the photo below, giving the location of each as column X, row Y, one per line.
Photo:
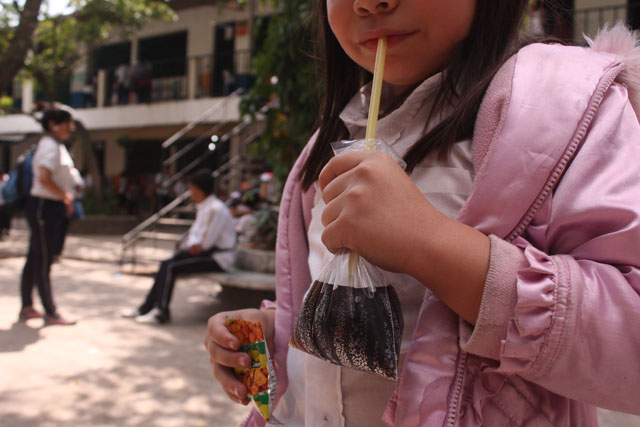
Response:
column 351, row 314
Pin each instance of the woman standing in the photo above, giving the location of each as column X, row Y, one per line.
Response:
column 49, row 206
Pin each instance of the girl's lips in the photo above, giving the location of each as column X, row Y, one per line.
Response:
column 392, row 40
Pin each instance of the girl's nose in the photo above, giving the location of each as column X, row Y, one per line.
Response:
column 368, row 7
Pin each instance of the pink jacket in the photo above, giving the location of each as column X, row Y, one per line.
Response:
column 557, row 189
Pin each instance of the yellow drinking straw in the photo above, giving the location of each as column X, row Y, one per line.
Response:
column 376, row 88
column 372, row 120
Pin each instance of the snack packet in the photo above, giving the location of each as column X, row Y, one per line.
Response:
column 260, row 378
column 351, row 315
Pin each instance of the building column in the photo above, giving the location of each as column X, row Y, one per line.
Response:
column 133, row 57
column 101, row 89
column 192, row 77
column 27, row 96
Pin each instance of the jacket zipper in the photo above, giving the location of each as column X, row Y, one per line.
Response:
column 571, row 150
column 453, row 412
column 454, row 409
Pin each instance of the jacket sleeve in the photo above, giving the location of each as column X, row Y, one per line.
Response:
column 561, row 303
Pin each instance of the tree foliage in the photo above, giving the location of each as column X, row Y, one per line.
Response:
column 284, row 70
column 60, row 41
column 16, row 39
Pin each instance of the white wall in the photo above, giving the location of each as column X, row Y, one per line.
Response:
column 135, row 116
column 199, row 22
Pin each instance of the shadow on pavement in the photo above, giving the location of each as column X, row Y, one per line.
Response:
column 109, row 371
column 18, row 337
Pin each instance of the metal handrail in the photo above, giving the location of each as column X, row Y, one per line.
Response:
column 132, row 236
column 184, row 150
column 182, row 132
column 246, row 121
column 128, row 238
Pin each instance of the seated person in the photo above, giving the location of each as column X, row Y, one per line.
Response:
column 209, row 247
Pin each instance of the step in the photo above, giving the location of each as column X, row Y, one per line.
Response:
column 154, row 235
column 175, row 221
column 184, row 209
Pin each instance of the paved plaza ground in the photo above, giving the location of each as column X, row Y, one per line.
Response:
column 108, row 371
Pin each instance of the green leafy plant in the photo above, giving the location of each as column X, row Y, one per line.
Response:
column 265, row 228
column 284, row 71
column 60, row 41
column 6, row 104
column 106, row 204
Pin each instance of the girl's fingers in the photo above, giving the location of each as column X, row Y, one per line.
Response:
column 331, row 212
column 218, row 333
column 223, row 346
column 230, row 384
column 339, row 165
column 228, row 358
column 334, row 241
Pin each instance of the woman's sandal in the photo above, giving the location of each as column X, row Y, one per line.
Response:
column 29, row 313
column 56, row 319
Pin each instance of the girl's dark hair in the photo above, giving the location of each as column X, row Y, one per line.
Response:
column 203, row 180
column 55, row 116
column 493, row 37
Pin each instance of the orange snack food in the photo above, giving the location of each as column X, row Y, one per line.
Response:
column 247, row 332
column 259, row 378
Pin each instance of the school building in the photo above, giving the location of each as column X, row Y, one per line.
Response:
column 184, row 73
column 133, row 94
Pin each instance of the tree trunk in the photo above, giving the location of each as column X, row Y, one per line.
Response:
column 13, row 59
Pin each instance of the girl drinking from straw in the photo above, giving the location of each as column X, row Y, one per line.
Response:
column 514, row 231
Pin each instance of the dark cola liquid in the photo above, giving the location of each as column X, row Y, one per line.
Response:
column 356, row 328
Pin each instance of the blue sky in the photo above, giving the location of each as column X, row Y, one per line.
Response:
column 57, row 7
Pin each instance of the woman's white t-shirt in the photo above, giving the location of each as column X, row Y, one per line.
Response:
column 55, row 157
column 323, row 394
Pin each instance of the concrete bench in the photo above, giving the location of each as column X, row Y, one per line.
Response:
column 244, row 279
column 253, row 269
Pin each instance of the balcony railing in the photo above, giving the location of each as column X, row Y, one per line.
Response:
column 589, row 20
column 173, row 79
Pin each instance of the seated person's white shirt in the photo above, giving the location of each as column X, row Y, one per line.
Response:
column 214, row 226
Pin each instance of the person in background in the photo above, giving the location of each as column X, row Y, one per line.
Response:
column 48, row 207
column 123, row 83
column 162, row 193
column 142, row 81
column 89, row 91
column 75, row 184
column 179, row 187
column 5, row 211
column 209, row 246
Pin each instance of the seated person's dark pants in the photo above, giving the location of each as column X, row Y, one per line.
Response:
column 181, row 263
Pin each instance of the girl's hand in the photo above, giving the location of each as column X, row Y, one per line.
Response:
column 223, row 347
column 373, row 208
